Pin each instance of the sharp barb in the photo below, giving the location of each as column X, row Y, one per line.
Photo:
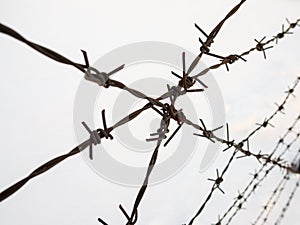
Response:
column 262, row 39
column 227, row 148
column 248, row 144
column 124, row 212
column 183, row 62
column 268, row 47
column 202, row 31
column 200, row 82
column 227, row 129
column 104, row 119
column 220, row 189
column 195, row 90
column 152, row 139
column 171, row 137
column 264, row 52
column 200, row 40
column 86, row 127
column 154, row 134
column 176, row 75
column 200, row 135
column 194, row 64
column 211, row 140
column 85, row 58
column 170, row 96
column 156, row 110
column 203, row 124
column 116, row 70
column 242, row 58
column 218, row 128
column 242, row 156
column 91, row 151
column 214, row 55
column 227, row 68
column 102, row 221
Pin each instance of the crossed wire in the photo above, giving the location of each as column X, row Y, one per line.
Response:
column 166, row 110
column 232, row 58
column 238, row 147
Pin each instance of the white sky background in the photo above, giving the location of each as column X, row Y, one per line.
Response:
column 37, row 95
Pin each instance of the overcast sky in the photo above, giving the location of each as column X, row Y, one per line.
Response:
column 37, row 99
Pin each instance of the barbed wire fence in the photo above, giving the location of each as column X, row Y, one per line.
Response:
column 288, row 203
column 259, row 176
column 275, row 196
column 164, row 106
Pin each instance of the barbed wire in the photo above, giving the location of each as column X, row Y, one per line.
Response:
column 256, row 174
column 276, row 193
column 288, row 203
column 167, row 111
column 205, row 47
column 269, row 206
column 256, row 185
column 238, row 148
column 239, row 145
column 232, row 58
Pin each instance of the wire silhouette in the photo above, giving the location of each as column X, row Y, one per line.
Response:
column 205, row 45
column 272, row 204
column 256, row 174
column 288, row 203
column 254, row 186
column 238, row 148
column 168, row 113
column 272, row 201
column 260, row 46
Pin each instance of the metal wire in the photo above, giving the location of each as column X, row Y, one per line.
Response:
column 168, row 113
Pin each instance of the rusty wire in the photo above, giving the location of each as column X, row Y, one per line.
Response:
column 205, row 45
column 167, row 111
column 232, row 58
